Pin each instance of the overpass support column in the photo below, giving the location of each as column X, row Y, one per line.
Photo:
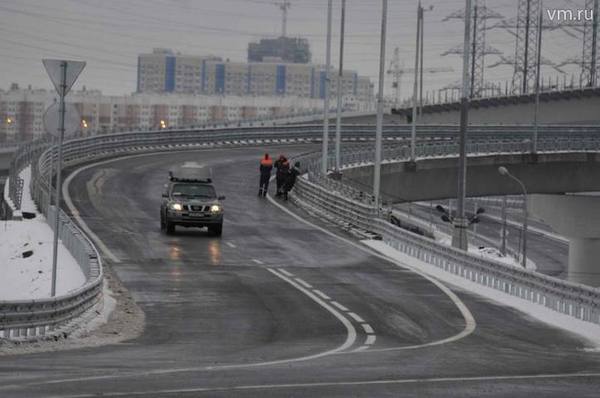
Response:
column 576, row 217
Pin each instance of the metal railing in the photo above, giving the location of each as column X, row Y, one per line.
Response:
column 28, row 319
column 572, row 299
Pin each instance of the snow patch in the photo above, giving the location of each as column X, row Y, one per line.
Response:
column 30, row 277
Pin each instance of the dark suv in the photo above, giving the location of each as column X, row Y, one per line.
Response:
column 191, row 202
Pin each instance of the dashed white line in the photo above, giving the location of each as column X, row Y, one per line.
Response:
column 285, row 272
column 367, row 328
column 356, row 317
column 257, row 261
column 321, row 294
column 303, row 283
column 370, row 339
column 341, row 307
column 361, row 348
column 230, row 245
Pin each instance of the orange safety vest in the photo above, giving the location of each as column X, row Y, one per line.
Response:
column 266, row 162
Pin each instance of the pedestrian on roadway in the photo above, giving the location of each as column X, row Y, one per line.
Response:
column 266, row 165
column 282, row 166
column 290, row 180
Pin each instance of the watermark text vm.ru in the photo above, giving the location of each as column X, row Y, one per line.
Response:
column 566, row 15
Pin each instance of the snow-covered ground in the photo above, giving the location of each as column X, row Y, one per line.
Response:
column 489, row 253
column 588, row 330
column 26, row 256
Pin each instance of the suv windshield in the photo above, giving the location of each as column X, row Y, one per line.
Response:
column 194, row 191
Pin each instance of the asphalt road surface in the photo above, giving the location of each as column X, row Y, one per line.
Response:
column 279, row 308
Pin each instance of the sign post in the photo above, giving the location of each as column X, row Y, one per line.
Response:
column 63, row 74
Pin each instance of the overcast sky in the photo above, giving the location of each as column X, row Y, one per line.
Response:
column 109, row 34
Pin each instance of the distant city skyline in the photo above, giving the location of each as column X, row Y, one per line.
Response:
column 110, row 35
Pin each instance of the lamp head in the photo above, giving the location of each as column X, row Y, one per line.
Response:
column 503, row 170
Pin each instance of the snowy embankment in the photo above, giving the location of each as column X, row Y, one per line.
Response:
column 587, row 330
column 26, row 256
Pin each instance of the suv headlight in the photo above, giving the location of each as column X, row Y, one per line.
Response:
column 215, row 208
column 177, row 206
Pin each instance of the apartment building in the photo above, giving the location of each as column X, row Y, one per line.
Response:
column 22, row 110
column 164, row 71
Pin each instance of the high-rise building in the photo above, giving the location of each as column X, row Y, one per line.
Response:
column 288, row 49
column 163, row 71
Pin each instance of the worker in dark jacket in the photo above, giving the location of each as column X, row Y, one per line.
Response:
column 282, row 166
column 290, row 179
column 266, row 165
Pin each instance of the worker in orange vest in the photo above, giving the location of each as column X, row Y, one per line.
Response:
column 266, row 165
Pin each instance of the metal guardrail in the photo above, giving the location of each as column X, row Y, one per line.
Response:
column 26, row 318
column 576, row 300
column 23, row 319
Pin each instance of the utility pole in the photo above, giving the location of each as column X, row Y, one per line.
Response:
column 422, row 28
column 413, row 133
column 379, row 126
column 537, row 80
column 459, row 238
column 593, row 63
column 503, row 215
column 338, row 123
column 325, row 149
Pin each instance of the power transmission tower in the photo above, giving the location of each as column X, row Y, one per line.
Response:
column 525, row 27
column 479, row 49
column 283, row 6
column 590, row 61
column 525, row 50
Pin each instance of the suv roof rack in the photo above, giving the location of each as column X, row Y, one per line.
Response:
column 172, row 178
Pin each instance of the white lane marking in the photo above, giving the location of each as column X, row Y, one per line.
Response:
column 285, row 272
column 341, row 307
column 257, row 261
column 230, row 245
column 423, row 381
column 304, row 283
column 367, row 328
column 356, row 317
column 321, row 294
column 470, row 323
column 370, row 339
column 75, row 213
column 361, row 348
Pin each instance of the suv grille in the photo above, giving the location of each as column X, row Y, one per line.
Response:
column 198, row 208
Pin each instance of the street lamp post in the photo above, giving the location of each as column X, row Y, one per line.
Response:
column 413, row 135
column 325, row 150
column 379, row 121
column 340, row 79
column 537, row 81
column 504, row 171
